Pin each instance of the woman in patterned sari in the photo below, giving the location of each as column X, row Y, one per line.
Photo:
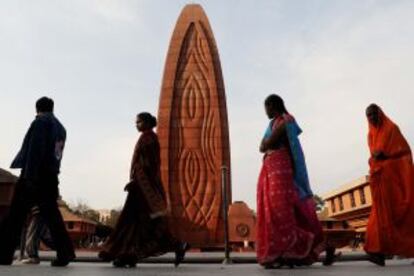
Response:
column 288, row 230
column 142, row 229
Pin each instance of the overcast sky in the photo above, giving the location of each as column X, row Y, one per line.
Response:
column 102, row 63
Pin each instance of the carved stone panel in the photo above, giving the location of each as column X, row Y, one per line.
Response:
column 193, row 130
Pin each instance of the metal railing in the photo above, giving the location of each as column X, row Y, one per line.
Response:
column 224, row 180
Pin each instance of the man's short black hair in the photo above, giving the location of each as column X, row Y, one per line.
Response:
column 44, row 104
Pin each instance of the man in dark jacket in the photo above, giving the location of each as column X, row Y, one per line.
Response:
column 39, row 160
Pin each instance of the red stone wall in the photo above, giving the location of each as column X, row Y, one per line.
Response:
column 79, row 230
column 193, row 130
column 242, row 223
column 7, row 183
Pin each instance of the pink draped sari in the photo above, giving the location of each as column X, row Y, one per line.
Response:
column 287, row 226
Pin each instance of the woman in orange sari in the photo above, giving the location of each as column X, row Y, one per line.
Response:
column 288, row 230
column 390, row 229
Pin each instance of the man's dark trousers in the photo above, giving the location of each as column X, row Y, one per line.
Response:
column 44, row 194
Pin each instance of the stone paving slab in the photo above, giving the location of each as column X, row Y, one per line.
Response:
column 362, row 268
column 199, row 257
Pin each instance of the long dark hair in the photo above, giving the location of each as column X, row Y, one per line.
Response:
column 150, row 120
column 277, row 102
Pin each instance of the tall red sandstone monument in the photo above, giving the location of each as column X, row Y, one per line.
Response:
column 193, row 130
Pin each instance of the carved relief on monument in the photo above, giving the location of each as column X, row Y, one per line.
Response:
column 193, row 130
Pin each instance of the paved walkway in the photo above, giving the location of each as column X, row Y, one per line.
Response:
column 198, row 257
column 362, row 268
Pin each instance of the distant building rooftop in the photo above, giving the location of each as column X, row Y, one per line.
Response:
column 7, row 177
column 345, row 187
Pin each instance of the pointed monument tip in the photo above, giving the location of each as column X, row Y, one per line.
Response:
column 192, row 4
column 192, row 12
column 192, row 7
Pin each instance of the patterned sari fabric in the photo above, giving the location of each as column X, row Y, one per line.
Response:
column 287, row 225
column 145, row 173
column 390, row 228
column 142, row 228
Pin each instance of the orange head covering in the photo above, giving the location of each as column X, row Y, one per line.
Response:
column 386, row 137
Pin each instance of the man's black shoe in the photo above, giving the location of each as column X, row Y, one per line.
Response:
column 6, row 262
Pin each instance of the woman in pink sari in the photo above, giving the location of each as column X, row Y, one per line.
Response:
column 288, row 230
